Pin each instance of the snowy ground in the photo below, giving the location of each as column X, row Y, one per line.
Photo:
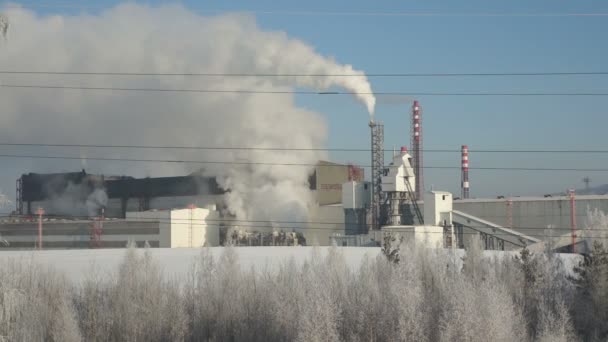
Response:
column 77, row 264
column 176, row 262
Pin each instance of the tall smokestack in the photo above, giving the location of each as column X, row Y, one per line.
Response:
column 377, row 133
column 465, row 171
column 417, row 148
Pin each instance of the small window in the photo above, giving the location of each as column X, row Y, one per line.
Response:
column 365, row 186
column 443, row 197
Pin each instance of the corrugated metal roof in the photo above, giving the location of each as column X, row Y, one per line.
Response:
column 531, row 199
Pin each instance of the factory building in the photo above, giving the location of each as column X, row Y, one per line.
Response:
column 437, row 229
column 534, row 215
column 75, row 194
column 82, row 194
column 147, row 209
column 327, row 179
column 191, row 227
column 348, row 210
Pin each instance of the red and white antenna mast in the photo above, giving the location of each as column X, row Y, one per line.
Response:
column 417, row 148
column 465, row 171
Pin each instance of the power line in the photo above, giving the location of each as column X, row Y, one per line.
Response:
column 396, row 13
column 178, row 161
column 242, row 74
column 295, row 225
column 299, row 92
column 417, row 14
column 238, row 221
column 246, row 148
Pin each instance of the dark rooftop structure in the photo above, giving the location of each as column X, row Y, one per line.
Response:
column 33, row 187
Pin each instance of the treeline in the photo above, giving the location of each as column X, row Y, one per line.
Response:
column 415, row 294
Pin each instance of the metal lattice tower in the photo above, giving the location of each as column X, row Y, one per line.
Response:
column 377, row 130
column 587, row 181
column 417, row 148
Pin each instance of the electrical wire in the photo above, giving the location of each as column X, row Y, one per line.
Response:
column 245, row 74
column 276, row 224
column 398, row 230
column 295, row 92
column 325, row 13
column 248, row 148
column 177, row 161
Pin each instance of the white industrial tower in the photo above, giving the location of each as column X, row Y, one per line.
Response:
column 399, row 184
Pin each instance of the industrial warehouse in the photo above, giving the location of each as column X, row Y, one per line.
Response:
column 301, row 171
column 81, row 210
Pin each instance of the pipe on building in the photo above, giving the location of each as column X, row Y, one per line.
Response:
column 573, row 218
column 40, row 212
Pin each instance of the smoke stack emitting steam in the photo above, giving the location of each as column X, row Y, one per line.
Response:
column 112, row 41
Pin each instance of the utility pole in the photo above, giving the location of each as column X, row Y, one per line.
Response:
column 573, row 218
column 40, row 212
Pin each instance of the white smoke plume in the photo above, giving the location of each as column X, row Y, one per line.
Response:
column 77, row 200
column 171, row 39
column 95, row 201
column 4, row 201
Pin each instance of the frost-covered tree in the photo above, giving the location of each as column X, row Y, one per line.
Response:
column 555, row 324
column 473, row 263
column 530, row 280
column 596, row 227
column 35, row 304
column 424, row 297
column 591, row 298
column 590, row 304
column 390, row 247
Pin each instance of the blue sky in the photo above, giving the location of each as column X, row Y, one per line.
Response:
column 457, row 44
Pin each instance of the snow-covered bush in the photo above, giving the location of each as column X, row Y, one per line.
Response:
column 423, row 297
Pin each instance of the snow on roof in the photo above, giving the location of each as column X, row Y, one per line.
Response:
column 532, row 199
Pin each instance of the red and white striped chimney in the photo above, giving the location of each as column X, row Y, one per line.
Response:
column 465, row 171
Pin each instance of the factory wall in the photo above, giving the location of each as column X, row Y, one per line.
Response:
column 323, row 222
column 171, row 202
column 430, row 236
column 64, row 234
column 114, row 205
column 328, row 179
column 464, row 239
column 195, row 227
column 167, row 229
column 531, row 216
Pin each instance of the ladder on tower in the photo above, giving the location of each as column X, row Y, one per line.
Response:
column 412, row 198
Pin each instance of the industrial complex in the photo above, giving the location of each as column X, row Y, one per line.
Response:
column 82, row 210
